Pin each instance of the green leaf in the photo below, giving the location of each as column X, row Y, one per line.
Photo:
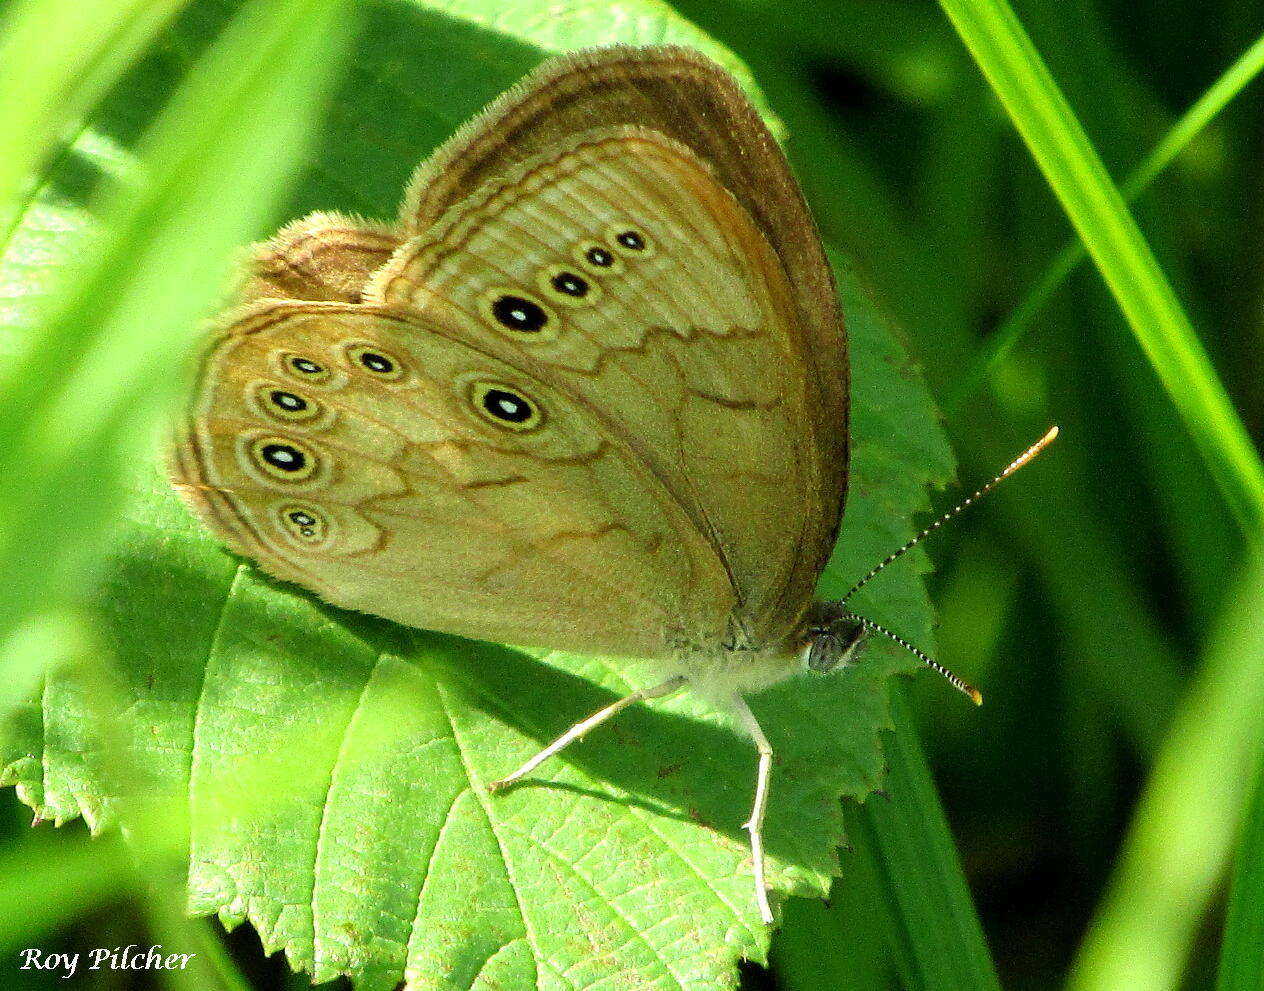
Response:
column 1077, row 176
column 334, row 767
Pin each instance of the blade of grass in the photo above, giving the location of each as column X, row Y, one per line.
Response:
column 935, row 936
column 1007, row 57
column 849, row 924
column 1183, row 829
column 95, row 44
column 1201, row 113
column 79, row 402
column 1242, row 954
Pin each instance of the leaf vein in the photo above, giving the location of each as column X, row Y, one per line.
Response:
column 343, row 747
column 194, row 735
column 601, row 899
column 532, row 942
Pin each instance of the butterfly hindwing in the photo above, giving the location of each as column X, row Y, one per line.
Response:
column 394, row 469
column 324, row 256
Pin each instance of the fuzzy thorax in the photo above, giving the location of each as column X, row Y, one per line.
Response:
column 829, row 637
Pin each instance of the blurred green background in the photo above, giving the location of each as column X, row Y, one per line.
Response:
column 1106, row 600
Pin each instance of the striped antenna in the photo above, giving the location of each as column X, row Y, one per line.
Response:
column 969, row 691
column 1010, row 468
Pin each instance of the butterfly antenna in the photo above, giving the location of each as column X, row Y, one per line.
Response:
column 1010, row 468
column 972, row 693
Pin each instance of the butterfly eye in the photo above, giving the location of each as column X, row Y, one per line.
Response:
column 283, row 459
column 305, row 368
column 505, row 406
column 566, row 286
column 304, row 523
column 376, row 361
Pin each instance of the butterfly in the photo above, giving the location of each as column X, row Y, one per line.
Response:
column 589, row 392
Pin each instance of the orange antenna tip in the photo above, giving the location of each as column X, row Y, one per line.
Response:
column 1027, row 455
column 970, row 691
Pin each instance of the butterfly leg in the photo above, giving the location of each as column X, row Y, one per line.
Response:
column 577, row 731
column 755, row 824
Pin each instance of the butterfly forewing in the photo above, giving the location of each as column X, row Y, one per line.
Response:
column 630, row 279
column 688, row 98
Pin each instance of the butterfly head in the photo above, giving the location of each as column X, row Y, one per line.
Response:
column 835, row 637
column 835, row 634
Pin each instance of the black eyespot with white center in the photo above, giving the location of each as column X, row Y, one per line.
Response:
column 287, row 402
column 505, row 406
column 520, row 314
column 599, row 256
column 629, row 243
column 376, row 360
column 304, row 368
column 305, row 524
column 288, row 405
column 632, row 240
column 570, row 284
column 283, row 457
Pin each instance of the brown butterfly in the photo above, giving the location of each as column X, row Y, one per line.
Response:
column 589, row 393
